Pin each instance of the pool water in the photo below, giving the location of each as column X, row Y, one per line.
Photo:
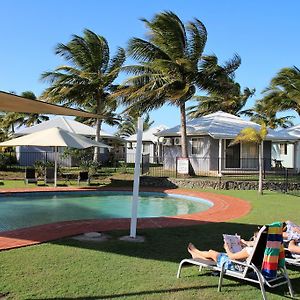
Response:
column 29, row 209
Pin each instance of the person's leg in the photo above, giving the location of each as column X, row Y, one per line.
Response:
column 293, row 247
column 196, row 253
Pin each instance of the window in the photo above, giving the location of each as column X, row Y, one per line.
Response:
column 249, row 154
column 197, row 146
column 283, row 149
column 232, row 155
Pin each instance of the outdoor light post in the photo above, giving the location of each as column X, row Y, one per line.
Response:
column 55, row 165
column 136, row 182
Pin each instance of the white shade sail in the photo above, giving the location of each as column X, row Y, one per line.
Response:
column 55, row 137
column 69, row 125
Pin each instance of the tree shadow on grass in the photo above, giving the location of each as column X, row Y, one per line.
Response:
column 166, row 244
column 140, row 293
column 279, row 291
column 170, row 244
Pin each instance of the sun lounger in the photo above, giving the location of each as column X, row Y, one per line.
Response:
column 290, row 258
column 83, row 176
column 49, row 175
column 249, row 270
column 30, row 176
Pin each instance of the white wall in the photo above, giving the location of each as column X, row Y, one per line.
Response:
column 297, row 156
column 130, row 155
column 287, row 160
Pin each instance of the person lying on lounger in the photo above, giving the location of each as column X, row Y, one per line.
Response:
column 224, row 258
column 291, row 235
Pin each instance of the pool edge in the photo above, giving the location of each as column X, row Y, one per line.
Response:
column 225, row 208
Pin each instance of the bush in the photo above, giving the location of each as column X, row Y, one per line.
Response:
column 40, row 167
column 90, row 166
column 3, row 161
column 11, row 158
column 123, row 167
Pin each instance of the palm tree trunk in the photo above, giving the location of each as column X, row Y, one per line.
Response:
column 260, row 166
column 184, row 144
column 184, row 149
column 98, row 129
column 97, row 139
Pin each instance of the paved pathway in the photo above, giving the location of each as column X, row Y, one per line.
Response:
column 225, row 208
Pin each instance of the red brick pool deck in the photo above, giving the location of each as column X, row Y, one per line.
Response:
column 225, row 208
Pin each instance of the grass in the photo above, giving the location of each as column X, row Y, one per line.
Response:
column 69, row 269
column 5, row 184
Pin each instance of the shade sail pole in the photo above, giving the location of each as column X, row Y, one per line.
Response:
column 55, row 165
column 136, row 182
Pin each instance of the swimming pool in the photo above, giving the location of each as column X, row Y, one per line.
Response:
column 30, row 209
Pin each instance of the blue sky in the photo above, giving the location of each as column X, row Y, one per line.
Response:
column 263, row 33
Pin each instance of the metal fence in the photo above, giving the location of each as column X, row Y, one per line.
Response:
column 221, row 169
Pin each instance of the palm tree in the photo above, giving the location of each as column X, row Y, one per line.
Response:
column 32, row 119
column 251, row 135
column 88, row 80
column 171, row 67
column 284, row 90
column 230, row 101
column 128, row 126
column 108, row 114
column 267, row 114
column 11, row 120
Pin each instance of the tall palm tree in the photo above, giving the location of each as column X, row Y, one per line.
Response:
column 251, row 135
column 128, row 126
column 171, row 67
column 88, row 79
column 267, row 114
column 230, row 101
column 284, row 90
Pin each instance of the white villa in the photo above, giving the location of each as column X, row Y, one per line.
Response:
column 152, row 144
column 28, row 155
column 289, row 153
column 208, row 145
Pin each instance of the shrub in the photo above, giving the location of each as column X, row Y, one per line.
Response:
column 3, row 161
column 40, row 167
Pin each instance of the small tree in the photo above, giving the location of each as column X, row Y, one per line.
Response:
column 251, row 135
column 128, row 126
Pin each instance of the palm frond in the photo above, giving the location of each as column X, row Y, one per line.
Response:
column 144, row 51
column 168, row 32
column 197, row 40
column 232, row 64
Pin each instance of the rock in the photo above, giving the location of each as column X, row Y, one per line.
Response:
column 93, row 234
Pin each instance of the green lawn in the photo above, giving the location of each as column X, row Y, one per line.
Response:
column 69, row 269
column 5, row 184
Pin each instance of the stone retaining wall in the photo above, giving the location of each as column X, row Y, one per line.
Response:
column 215, row 184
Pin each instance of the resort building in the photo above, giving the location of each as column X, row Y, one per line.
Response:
column 209, row 148
column 288, row 154
column 152, row 145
